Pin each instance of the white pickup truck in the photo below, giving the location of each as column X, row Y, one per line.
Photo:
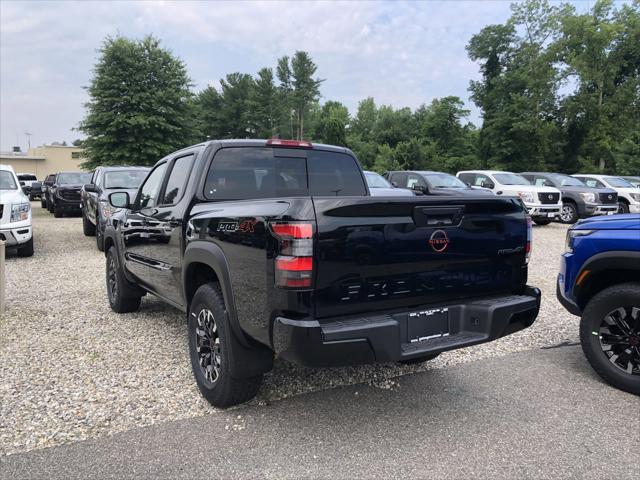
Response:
column 15, row 213
column 543, row 203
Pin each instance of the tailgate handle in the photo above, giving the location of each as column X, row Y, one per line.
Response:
column 437, row 216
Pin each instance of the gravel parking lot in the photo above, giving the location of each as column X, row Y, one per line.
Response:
column 71, row 369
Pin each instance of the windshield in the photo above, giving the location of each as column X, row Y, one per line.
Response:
column 376, row 181
column 619, row 182
column 73, row 178
column 124, row 179
column 511, row 179
column 443, row 180
column 567, row 181
column 7, row 181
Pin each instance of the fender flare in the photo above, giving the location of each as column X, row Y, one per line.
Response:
column 210, row 254
column 612, row 260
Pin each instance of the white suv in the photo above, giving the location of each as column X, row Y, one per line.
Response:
column 628, row 195
column 543, row 203
column 15, row 213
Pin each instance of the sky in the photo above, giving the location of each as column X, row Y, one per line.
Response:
column 402, row 54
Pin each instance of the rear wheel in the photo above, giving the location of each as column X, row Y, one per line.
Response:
column 569, row 213
column 123, row 296
column 43, row 203
column 88, row 228
column 418, row 360
column 610, row 335
column 542, row 221
column 213, row 349
column 623, row 207
column 26, row 249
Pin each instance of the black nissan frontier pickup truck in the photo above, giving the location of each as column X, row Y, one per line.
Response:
column 275, row 247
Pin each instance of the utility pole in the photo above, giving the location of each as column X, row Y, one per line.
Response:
column 28, row 139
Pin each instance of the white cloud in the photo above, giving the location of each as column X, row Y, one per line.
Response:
column 400, row 53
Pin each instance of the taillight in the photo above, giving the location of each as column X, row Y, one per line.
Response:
column 294, row 264
column 278, row 142
column 527, row 247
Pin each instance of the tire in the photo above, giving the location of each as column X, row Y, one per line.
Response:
column 213, row 348
column 594, row 319
column 88, row 228
column 26, row 249
column 99, row 239
column 623, row 207
column 49, row 206
column 123, row 296
column 31, row 198
column 58, row 212
column 43, row 203
column 542, row 221
column 569, row 213
column 419, row 360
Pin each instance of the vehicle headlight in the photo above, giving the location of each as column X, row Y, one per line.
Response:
column 635, row 196
column 572, row 235
column 589, row 197
column 107, row 209
column 527, row 197
column 20, row 211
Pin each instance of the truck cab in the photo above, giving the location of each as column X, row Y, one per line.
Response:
column 543, row 203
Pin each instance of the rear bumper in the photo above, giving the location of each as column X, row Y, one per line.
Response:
column 384, row 337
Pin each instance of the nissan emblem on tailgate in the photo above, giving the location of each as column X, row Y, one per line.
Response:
column 439, row 241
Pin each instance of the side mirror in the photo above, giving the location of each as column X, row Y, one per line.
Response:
column 394, row 184
column 487, row 184
column 420, row 188
column 120, row 200
column 91, row 188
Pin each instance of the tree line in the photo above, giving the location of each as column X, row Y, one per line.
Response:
column 559, row 90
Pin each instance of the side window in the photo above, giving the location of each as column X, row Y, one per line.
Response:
column 334, row 174
column 592, row 182
column 177, row 180
column 400, row 179
column 479, row 179
column 540, row 182
column 151, row 187
column 413, row 180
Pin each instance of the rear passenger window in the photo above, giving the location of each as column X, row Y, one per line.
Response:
column 177, row 180
column 247, row 172
column 334, row 174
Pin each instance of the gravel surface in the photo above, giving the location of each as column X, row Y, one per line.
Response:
column 71, row 369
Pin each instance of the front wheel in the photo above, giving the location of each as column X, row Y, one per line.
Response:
column 623, row 207
column 123, row 296
column 569, row 213
column 58, row 212
column 213, row 349
column 610, row 335
column 43, row 203
column 26, row 249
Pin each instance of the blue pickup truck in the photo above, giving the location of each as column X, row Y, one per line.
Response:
column 599, row 281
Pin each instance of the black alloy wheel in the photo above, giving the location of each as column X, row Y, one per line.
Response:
column 208, row 345
column 619, row 335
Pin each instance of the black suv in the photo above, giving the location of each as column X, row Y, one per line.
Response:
column 432, row 183
column 277, row 247
column 578, row 199
column 64, row 194
column 96, row 210
column 45, row 200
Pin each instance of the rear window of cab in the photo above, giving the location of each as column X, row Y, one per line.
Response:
column 241, row 173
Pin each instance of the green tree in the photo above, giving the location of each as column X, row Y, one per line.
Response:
column 263, row 107
column 208, row 104
column 306, row 88
column 139, row 107
column 285, row 90
column 332, row 123
column 236, row 89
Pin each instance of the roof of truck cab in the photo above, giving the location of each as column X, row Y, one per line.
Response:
column 490, row 172
column 243, row 142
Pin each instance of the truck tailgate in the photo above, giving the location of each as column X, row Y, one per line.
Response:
column 387, row 253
